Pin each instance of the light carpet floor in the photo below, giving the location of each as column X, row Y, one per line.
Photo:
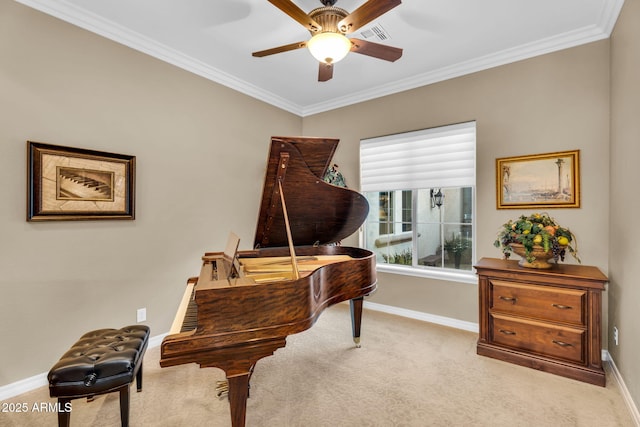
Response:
column 407, row 373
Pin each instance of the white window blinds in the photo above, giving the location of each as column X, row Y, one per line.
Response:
column 437, row 157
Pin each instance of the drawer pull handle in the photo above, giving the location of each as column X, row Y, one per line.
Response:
column 504, row 331
column 562, row 343
column 512, row 300
column 562, row 307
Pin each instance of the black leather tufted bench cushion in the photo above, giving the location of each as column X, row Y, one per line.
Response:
column 101, row 361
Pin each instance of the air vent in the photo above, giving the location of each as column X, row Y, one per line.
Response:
column 375, row 32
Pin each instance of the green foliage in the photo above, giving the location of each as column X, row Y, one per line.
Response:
column 403, row 258
column 332, row 176
column 457, row 244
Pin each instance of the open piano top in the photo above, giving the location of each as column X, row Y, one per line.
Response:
column 244, row 304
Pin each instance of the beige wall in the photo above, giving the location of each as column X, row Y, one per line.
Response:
column 624, row 291
column 201, row 151
column 201, row 155
column 554, row 102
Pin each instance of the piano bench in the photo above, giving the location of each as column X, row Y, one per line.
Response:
column 101, row 361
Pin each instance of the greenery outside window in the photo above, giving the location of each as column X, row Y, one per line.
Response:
column 413, row 231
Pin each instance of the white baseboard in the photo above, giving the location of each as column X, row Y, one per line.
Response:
column 157, row 340
column 473, row 327
column 418, row 315
column 633, row 409
column 14, row 389
column 23, row 386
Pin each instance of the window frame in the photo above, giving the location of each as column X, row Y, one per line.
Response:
column 440, row 272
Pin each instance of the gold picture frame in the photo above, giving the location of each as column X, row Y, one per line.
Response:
column 66, row 183
column 549, row 180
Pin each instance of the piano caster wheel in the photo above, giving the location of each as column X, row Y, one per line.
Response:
column 357, row 341
column 222, row 389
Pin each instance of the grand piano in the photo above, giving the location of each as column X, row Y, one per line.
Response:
column 244, row 304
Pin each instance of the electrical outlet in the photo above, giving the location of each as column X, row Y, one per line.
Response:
column 141, row 314
column 616, row 337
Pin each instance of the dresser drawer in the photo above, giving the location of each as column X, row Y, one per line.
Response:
column 537, row 337
column 540, row 302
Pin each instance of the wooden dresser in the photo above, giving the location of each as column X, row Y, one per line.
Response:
column 543, row 319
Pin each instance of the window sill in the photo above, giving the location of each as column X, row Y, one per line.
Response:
column 448, row 275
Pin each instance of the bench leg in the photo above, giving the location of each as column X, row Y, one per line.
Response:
column 139, row 378
column 63, row 415
column 124, row 406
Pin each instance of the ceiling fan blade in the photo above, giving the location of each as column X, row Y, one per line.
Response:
column 365, row 14
column 280, row 49
column 325, row 72
column 380, row 51
column 288, row 7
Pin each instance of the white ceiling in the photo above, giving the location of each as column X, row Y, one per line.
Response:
column 441, row 39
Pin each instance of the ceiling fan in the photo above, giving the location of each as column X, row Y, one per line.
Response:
column 329, row 25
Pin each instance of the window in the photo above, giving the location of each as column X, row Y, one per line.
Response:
column 423, row 184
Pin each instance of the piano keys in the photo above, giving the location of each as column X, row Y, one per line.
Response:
column 186, row 318
column 244, row 304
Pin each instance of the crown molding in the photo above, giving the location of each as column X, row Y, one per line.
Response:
column 530, row 50
column 96, row 24
column 70, row 13
column 608, row 17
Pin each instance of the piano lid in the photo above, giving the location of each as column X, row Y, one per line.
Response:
column 318, row 212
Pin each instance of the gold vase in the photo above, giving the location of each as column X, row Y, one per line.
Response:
column 541, row 256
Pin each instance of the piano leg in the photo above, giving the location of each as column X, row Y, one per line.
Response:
column 356, row 318
column 222, row 387
column 238, row 362
column 238, row 393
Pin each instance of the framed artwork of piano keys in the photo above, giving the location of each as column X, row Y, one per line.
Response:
column 66, row 184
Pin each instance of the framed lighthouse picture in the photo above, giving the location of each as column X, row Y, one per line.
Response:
column 549, row 180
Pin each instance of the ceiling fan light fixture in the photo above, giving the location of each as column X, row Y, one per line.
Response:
column 329, row 47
